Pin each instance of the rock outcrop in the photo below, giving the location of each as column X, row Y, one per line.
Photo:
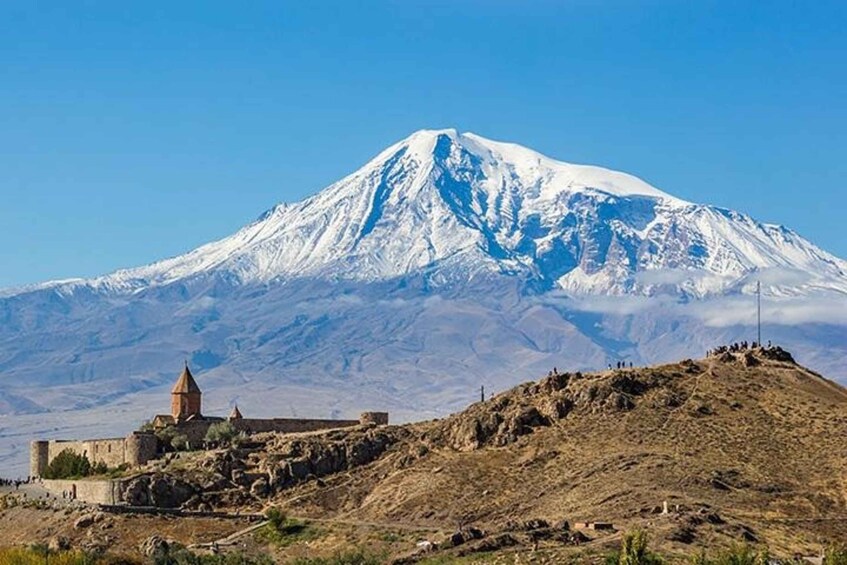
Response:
column 158, row 490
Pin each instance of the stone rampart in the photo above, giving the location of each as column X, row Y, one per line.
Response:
column 289, row 425
column 134, row 450
column 112, row 451
column 92, row 491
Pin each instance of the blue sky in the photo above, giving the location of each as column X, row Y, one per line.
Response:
column 130, row 132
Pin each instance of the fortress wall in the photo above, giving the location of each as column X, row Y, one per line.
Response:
column 95, row 492
column 289, row 425
column 39, row 457
column 195, row 430
column 112, row 452
column 141, row 448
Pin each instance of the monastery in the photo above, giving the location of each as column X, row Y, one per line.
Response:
column 187, row 419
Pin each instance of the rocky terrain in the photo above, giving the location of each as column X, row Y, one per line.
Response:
column 743, row 446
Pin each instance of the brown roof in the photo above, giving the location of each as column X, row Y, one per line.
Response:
column 236, row 413
column 185, row 383
column 163, row 419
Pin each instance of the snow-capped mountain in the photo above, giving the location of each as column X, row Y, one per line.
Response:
column 461, row 205
column 446, row 261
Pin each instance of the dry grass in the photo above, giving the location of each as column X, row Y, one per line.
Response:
column 761, row 447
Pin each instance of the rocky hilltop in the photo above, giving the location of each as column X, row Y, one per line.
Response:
column 741, row 446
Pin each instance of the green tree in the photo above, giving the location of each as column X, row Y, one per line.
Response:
column 179, row 442
column 221, row 432
column 67, row 465
column 147, row 426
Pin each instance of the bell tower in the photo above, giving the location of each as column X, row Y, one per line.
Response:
column 185, row 396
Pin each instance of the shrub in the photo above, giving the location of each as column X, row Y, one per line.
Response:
column 835, row 555
column 737, row 555
column 276, row 517
column 283, row 531
column 35, row 555
column 179, row 442
column 357, row 557
column 68, row 465
column 634, row 551
column 165, row 435
column 221, row 432
column 179, row 555
column 147, row 426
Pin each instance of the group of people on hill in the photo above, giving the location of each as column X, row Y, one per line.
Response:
column 620, row 365
column 735, row 348
column 15, row 482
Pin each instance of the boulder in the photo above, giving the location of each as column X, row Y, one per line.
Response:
column 299, row 469
column 59, row 543
column 239, row 477
column 136, row 492
column 169, row 492
column 535, row 524
column 259, row 488
column 84, row 521
column 154, row 546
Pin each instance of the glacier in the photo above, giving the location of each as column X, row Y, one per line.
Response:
column 447, row 262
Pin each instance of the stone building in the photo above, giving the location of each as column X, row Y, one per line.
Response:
column 186, row 419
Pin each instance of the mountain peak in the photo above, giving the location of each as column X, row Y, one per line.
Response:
column 558, row 176
column 457, row 206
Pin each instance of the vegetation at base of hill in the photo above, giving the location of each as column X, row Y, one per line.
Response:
column 41, row 554
column 357, row 557
column 222, row 433
column 178, row 555
column 836, row 555
column 283, row 531
column 36, row 556
column 175, row 555
column 634, row 551
column 738, row 555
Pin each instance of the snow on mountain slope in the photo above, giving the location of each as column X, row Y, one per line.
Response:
column 459, row 205
column 446, row 262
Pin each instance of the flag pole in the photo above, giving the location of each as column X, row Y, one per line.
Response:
column 759, row 311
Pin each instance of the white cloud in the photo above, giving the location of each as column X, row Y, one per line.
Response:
column 824, row 307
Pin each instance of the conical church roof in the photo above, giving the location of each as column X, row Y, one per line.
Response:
column 185, row 383
column 236, row 413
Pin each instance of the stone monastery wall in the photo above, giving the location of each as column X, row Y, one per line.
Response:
column 94, row 492
column 112, row 452
column 136, row 449
column 289, row 425
column 187, row 420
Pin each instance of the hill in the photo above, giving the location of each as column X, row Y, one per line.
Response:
column 743, row 447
